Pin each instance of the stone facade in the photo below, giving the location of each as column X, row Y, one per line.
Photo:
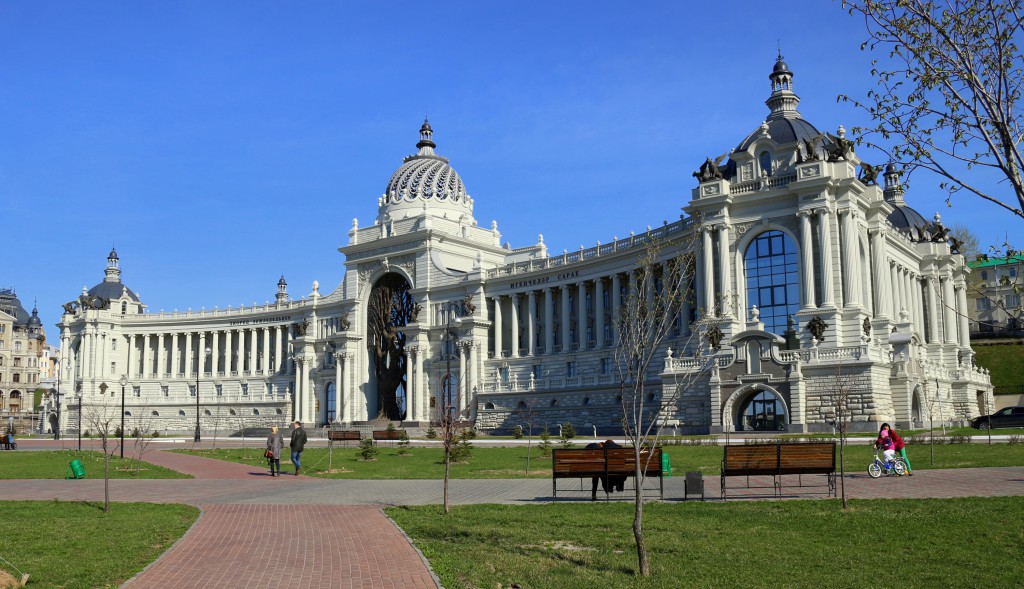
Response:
column 804, row 270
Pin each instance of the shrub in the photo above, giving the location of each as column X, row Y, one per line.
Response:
column 403, row 441
column 462, row 449
column 517, row 432
column 390, row 428
column 568, row 431
column 1014, row 440
column 367, row 449
column 959, row 439
column 545, row 442
column 431, row 433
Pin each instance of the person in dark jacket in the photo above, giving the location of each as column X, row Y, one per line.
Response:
column 298, row 443
column 609, row 483
column 274, row 445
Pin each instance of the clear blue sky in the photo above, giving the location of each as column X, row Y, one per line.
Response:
column 220, row 145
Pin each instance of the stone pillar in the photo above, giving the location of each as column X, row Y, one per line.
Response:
column 598, row 313
column 827, row 291
column 514, row 300
column 498, row 327
column 726, row 269
column 549, row 321
column 175, row 356
column 565, row 313
column 161, row 358
column 299, row 389
column 339, row 389
column 883, row 286
column 265, row 364
column 201, row 369
column 933, row 312
column 290, row 355
column 410, row 388
column 961, row 310
column 708, row 274
column 462, row 380
column 949, row 304
column 531, row 322
column 616, row 296
column 917, row 301
column 252, row 350
column 851, row 285
column 581, row 314
column 189, row 355
column 895, row 294
column 807, row 260
column 423, row 393
column 144, row 357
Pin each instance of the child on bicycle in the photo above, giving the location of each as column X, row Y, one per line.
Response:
column 899, row 446
column 886, row 443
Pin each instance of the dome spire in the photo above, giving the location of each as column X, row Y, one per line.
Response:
column 782, row 101
column 113, row 272
column 426, row 143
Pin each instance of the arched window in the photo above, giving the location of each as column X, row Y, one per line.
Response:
column 765, row 160
column 124, row 307
column 255, row 411
column 773, row 279
column 181, row 413
column 488, row 405
column 155, row 414
column 331, row 403
column 763, row 411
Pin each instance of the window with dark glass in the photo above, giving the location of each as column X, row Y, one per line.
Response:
column 773, row 279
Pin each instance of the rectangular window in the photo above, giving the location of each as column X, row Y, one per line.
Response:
column 137, row 391
column 113, row 368
column 113, row 344
column 1013, row 272
column 1013, row 301
column 192, row 390
column 984, row 304
column 220, row 390
column 606, row 365
column 570, row 369
column 538, row 371
column 245, row 389
column 164, row 390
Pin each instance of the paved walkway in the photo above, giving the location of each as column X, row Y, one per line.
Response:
column 297, row 531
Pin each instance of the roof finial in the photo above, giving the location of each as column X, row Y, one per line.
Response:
column 426, row 143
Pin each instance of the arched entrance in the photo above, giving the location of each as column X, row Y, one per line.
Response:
column 389, row 310
column 762, row 411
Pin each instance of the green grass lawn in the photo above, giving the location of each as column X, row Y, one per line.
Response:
column 510, row 462
column 75, row 544
column 23, row 464
column 934, row 543
column 1005, row 361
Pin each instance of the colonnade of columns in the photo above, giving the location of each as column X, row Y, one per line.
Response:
column 565, row 318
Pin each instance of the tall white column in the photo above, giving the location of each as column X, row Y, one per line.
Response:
column 252, row 351
column 565, row 312
column 531, row 322
column 917, row 301
column 410, row 387
column 175, row 356
column 949, row 303
column 549, row 321
column 189, row 355
column 708, row 267
column 895, row 294
column 852, row 283
column 423, row 392
column 933, row 312
column 299, row 393
column 828, row 293
column 514, row 320
column 201, row 369
column 616, row 305
column 961, row 310
column 265, row 365
column 581, row 314
column 339, row 390
column 498, row 327
column 462, row 380
column 807, row 259
column 289, row 351
column 161, row 358
column 883, row 286
column 726, row 269
column 144, row 356
column 598, row 313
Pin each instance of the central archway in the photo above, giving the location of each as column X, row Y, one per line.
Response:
column 389, row 310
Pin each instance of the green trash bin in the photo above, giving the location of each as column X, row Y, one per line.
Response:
column 75, row 470
column 666, row 466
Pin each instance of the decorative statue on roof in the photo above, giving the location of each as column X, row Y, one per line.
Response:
column 840, row 149
column 709, row 170
column 468, row 304
column 71, row 307
column 346, row 323
column 415, row 314
column 810, row 149
column 866, row 327
column 817, row 327
column 869, row 174
column 300, row 328
column 714, row 337
column 941, row 234
column 956, row 246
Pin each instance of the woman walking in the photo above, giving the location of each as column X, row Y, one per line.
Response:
column 274, row 444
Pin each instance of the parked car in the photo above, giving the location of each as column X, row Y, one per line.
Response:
column 1006, row 417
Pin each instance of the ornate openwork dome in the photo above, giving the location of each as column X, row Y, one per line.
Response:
column 425, row 180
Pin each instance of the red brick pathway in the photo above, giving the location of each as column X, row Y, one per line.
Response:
column 289, row 546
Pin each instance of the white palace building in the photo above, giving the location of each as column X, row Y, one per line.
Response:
column 806, row 268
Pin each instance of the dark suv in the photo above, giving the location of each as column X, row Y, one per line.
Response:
column 1006, row 417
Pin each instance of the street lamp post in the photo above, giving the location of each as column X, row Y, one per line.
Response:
column 124, row 381
column 60, row 368
column 199, row 368
column 80, row 399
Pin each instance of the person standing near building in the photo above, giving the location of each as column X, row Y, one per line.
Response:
column 298, row 443
column 274, row 445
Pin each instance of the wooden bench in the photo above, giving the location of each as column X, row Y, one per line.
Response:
column 776, row 460
column 342, row 435
column 383, row 434
column 603, row 463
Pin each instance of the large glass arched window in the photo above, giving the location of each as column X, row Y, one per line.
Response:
column 773, row 279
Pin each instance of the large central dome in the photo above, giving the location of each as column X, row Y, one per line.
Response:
column 425, row 182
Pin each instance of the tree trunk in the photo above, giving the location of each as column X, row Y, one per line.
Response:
column 447, row 462
column 106, row 478
column 638, row 514
column 842, row 469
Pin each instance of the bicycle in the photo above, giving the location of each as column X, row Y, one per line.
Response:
column 894, row 467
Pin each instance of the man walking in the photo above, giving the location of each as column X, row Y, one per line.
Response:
column 298, row 443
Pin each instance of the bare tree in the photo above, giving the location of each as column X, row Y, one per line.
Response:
column 450, row 423
column 947, row 91
column 528, row 415
column 836, row 409
column 649, row 316
column 102, row 417
column 142, row 436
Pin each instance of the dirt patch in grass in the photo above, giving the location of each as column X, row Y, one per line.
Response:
column 337, row 471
